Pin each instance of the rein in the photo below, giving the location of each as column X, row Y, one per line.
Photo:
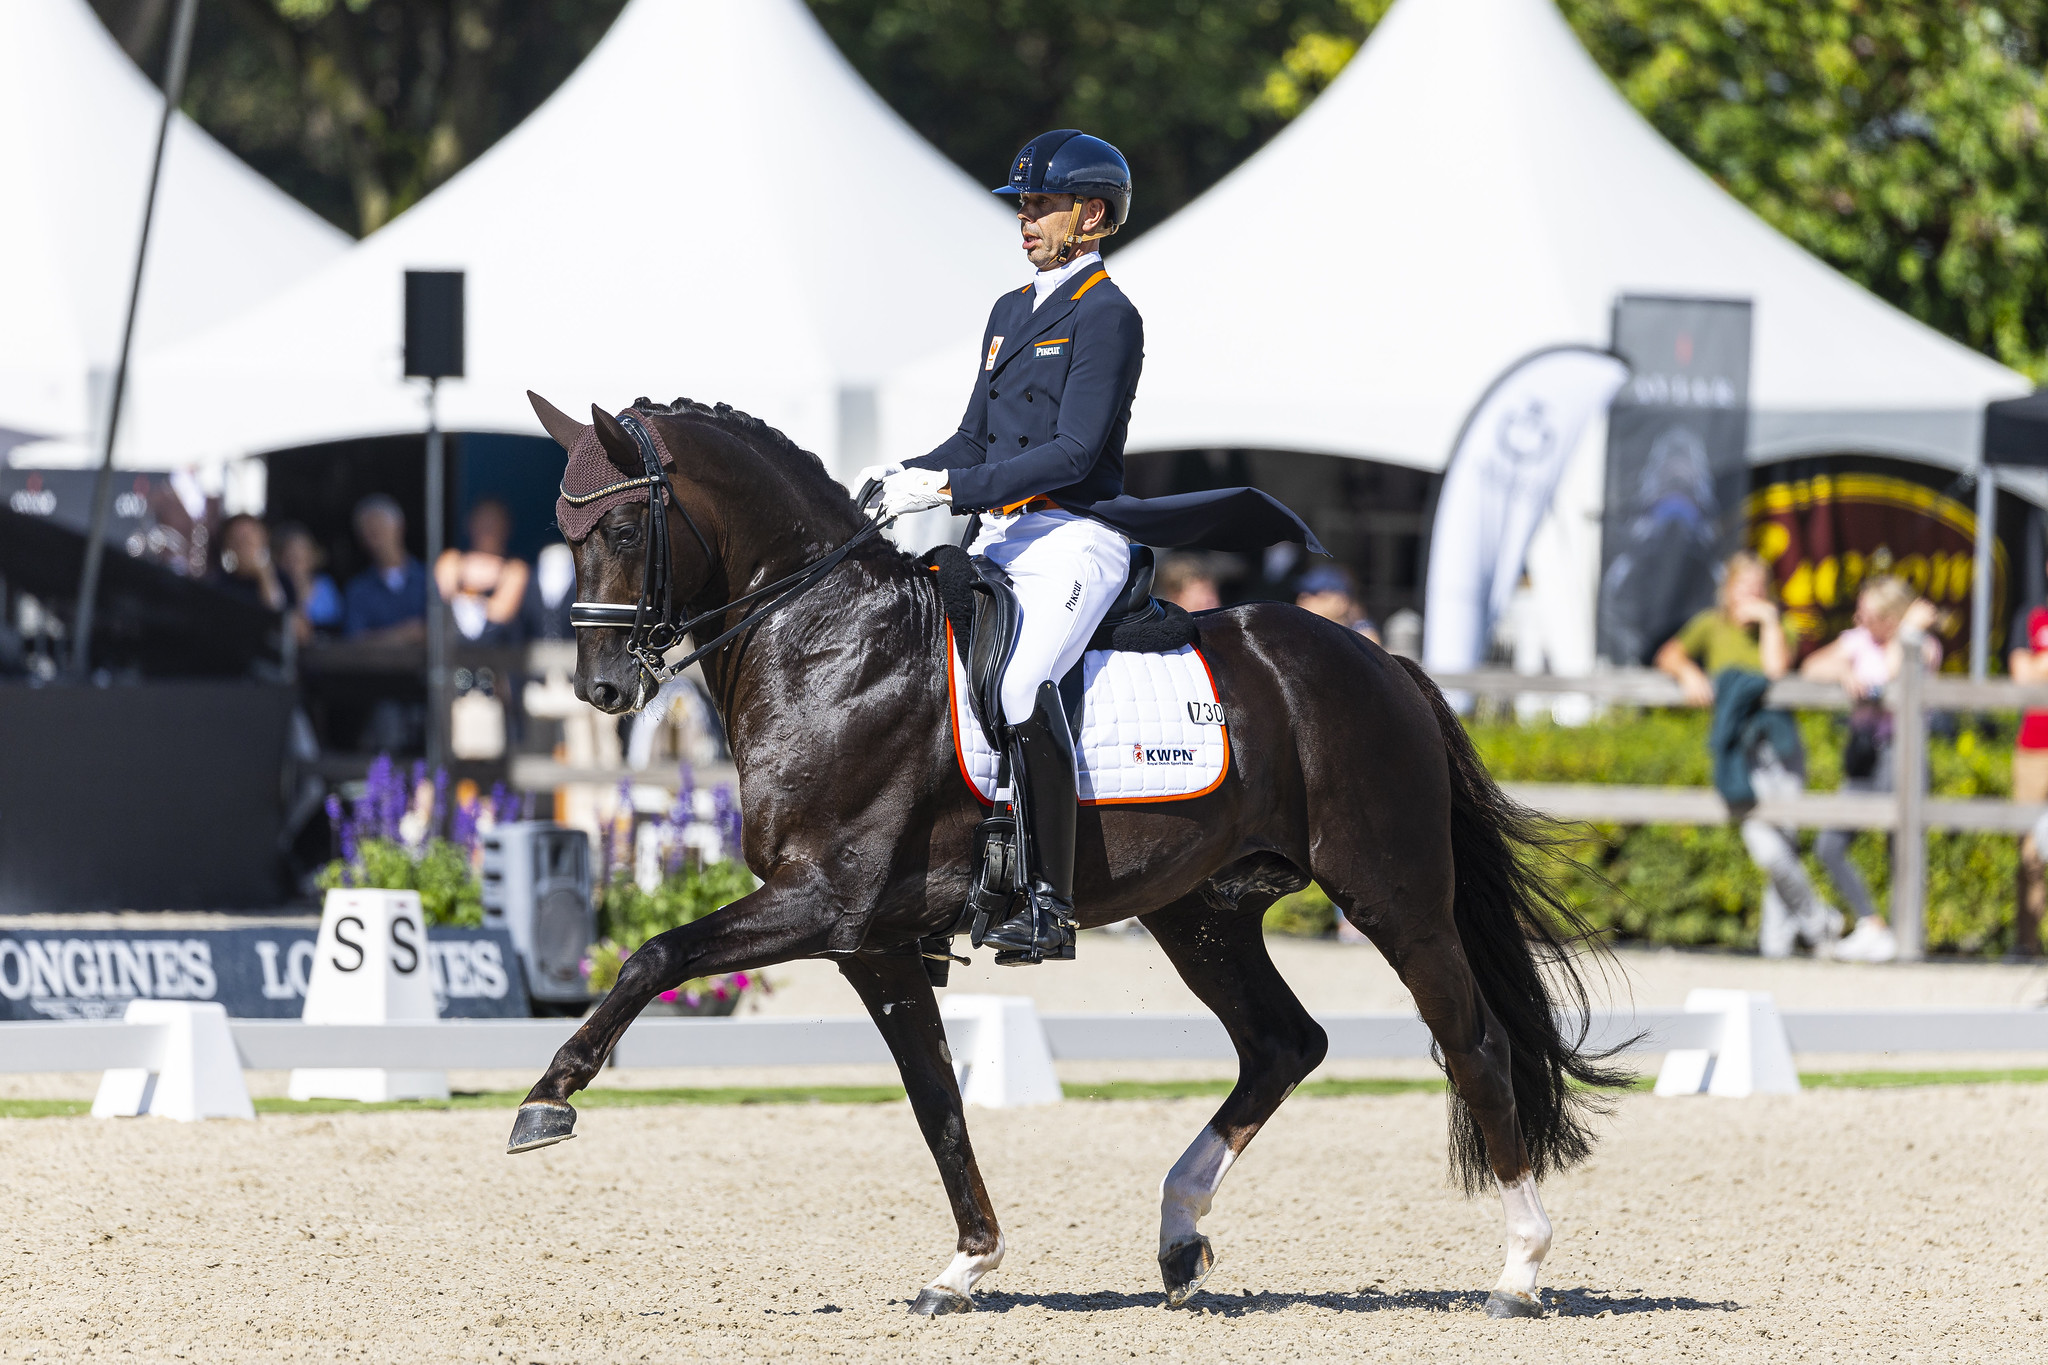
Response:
column 654, row 629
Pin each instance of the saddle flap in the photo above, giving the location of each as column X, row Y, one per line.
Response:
column 996, row 620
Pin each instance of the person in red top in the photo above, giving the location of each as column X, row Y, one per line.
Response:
column 2028, row 663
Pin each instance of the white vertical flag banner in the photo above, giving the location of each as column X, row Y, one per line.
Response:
column 1502, row 475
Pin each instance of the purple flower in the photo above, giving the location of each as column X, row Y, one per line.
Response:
column 504, row 805
column 440, row 798
column 462, row 826
column 726, row 818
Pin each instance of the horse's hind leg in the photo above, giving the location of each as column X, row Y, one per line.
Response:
column 1424, row 949
column 1220, row 951
column 899, row 997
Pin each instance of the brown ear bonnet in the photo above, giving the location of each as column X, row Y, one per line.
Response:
column 594, row 482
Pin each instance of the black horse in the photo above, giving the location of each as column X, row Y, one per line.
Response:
column 1346, row 766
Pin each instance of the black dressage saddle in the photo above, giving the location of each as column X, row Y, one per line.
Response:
column 985, row 614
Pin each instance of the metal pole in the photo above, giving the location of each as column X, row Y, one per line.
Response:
column 437, row 616
column 1980, row 577
column 103, row 487
column 1909, row 833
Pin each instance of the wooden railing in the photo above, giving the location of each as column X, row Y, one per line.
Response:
column 1907, row 812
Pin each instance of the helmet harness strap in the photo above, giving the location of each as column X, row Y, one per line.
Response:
column 1073, row 237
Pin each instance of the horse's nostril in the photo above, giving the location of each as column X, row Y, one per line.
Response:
column 604, row 694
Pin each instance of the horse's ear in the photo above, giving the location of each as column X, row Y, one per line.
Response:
column 618, row 446
column 560, row 425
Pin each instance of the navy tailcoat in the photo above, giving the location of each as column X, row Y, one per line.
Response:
column 1049, row 414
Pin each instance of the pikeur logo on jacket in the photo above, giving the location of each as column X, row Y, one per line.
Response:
column 1053, row 402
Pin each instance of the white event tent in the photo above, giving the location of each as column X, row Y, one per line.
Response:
column 1471, row 189
column 714, row 204
column 78, row 126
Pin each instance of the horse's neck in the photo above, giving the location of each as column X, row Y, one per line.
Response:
column 817, row 655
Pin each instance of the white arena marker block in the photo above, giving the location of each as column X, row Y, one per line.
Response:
column 1006, row 1064
column 1751, row 1056
column 198, row 1076
column 370, row 967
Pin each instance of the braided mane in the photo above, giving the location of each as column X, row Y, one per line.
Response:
column 730, row 419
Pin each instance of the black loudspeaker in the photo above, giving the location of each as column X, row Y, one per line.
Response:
column 537, row 889
column 433, row 324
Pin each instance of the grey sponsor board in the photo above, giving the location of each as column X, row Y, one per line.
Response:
column 258, row 973
column 1677, row 467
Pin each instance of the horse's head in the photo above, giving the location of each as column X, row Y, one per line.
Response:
column 740, row 510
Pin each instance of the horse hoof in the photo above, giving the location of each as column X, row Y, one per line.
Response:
column 1184, row 1268
column 1499, row 1305
column 933, row 1300
column 542, row 1123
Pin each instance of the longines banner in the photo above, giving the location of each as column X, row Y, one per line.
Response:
column 1827, row 526
column 1677, row 437
column 255, row 973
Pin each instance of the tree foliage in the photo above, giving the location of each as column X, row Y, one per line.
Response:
column 1902, row 141
column 360, row 107
column 1184, row 89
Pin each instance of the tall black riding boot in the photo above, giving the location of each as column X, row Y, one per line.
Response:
column 1042, row 788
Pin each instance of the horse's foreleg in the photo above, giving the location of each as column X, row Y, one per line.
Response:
column 1221, row 954
column 899, row 996
column 785, row 918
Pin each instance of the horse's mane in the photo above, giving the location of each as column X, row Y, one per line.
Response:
column 756, row 432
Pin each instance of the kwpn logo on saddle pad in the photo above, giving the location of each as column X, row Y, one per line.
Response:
column 1152, row 729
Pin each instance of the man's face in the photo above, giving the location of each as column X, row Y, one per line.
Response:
column 1335, row 605
column 1043, row 220
column 383, row 535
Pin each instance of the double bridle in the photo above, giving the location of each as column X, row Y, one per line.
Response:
column 651, row 621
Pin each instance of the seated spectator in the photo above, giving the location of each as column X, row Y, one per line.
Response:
column 483, row 588
column 548, row 591
column 1329, row 592
column 1725, row 657
column 1185, row 581
column 387, row 602
column 1863, row 659
column 2028, row 663
column 243, row 567
column 311, row 597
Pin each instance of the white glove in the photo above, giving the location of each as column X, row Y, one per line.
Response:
column 912, row 490
column 877, row 472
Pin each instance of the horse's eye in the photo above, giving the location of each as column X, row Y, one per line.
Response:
column 624, row 536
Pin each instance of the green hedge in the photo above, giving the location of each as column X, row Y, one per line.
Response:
column 1695, row 885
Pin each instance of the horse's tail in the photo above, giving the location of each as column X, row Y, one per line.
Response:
column 1518, row 934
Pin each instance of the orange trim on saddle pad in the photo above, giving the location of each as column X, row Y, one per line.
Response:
column 957, row 715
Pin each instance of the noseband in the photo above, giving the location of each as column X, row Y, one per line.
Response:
column 651, row 621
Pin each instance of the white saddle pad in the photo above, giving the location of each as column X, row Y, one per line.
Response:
column 1151, row 729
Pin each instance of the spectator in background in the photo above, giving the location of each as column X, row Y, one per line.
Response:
column 311, row 597
column 243, row 568
column 483, row 588
column 1726, row 657
column 1328, row 591
column 548, row 591
column 1185, row 581
column 2028, row 663
column 1863, row 659
column 387, row 602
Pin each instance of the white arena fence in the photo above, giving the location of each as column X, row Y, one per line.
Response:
column 1728, row 1043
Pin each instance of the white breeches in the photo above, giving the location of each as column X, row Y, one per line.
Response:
column 1066, row 570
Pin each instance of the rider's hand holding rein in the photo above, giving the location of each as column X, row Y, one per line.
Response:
column 913, row 490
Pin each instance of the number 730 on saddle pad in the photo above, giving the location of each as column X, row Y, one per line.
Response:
column 1152, row 729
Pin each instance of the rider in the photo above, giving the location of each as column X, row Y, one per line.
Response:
column 1042, row 442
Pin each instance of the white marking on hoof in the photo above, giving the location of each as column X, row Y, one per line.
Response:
column 1190, row 1188
column 965, row 1269
column 1528, row 1242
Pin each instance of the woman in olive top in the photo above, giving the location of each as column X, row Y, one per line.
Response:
column 1744, row 631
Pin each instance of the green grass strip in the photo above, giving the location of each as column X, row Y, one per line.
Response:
column 888, row 1094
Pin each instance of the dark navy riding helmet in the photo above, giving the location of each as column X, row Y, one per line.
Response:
column 1069, row 161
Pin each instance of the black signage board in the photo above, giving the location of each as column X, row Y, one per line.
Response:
column 1677, row 467
column 258, row 973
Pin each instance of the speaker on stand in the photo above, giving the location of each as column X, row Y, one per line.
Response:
column 536, row 878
